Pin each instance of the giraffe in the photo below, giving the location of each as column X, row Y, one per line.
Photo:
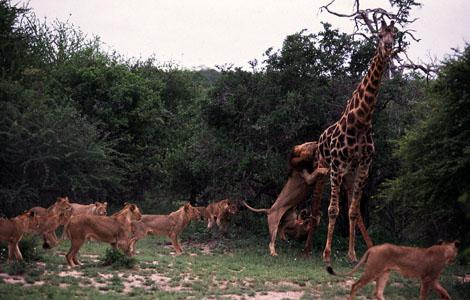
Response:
column 347, row 148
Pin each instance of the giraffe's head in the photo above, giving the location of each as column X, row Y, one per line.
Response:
column 386, row 38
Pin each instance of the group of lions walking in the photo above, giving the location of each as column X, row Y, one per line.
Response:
column 121, row 230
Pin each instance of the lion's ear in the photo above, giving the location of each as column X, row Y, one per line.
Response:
column 132, row 207
column 440, row 242
column 105, row 204
column 31, row 213
column 457, row 243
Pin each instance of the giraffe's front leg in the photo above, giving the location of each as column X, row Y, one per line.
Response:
column 354, row 209
column 336, row 178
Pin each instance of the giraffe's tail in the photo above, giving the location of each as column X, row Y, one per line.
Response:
column 363, row 260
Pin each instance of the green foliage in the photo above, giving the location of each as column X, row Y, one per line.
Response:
column 29, row 248
column 117, row 260
column 434, row 181
column 16, row 268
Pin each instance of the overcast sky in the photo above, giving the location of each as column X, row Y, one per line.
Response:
column 195, row 33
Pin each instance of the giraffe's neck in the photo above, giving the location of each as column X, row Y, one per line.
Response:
column 363, row 101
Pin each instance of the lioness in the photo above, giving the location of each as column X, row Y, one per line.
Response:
column 218, row 213
column 170, row 225
column 114, row 229
column 97, row 208
column 295, row 190
column 295, row 225
column 51, row 218
column 139, row 230
column 423, row 263
column 12, row 230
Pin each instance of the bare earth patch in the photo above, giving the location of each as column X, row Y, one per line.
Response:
column 71, row 273
column 12, row 279
column 17, row 279
column 265, row 296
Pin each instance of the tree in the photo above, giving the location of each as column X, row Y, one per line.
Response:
column 434, row 183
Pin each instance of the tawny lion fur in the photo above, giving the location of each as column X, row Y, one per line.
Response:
column 51, row 218
column 423, row 263
column 171, row 225
column 219, row 213
column 114, row 229
column 12, row 230
column 294, row 191
column 295, row 225
column 97, row 208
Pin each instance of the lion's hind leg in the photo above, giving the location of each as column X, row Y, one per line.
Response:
column 440, row 290
column 381, row 282
column 423, row 292
column 365, row 279
column 274, row 219
column 71, row 256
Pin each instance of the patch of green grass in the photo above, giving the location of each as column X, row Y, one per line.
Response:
column 116, row 283
column 237, row 266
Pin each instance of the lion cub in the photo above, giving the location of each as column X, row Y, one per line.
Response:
column 219, row 213
column 424, row 263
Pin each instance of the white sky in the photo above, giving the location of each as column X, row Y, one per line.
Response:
column 193, row 33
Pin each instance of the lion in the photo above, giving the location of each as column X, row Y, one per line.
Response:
column 139, row 230
column 295, row 190
column 12, row 230
column 51, row 218
column 424, row 263
column 219, row 213
column 295, row 225
column 97, row 208
column 171, row 225
column 114, row 229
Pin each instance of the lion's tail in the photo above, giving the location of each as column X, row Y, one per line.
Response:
column 258, row 210
column 330, row 270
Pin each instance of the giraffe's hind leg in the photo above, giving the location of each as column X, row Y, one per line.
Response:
column 348, row 183
column 354, row 209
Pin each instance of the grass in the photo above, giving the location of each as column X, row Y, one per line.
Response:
column 239, row 265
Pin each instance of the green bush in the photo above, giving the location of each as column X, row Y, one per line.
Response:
column 117, row 260
column 16, row 268
column 28, row 248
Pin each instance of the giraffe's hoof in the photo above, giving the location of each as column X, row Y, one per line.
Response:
column 352, row 257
